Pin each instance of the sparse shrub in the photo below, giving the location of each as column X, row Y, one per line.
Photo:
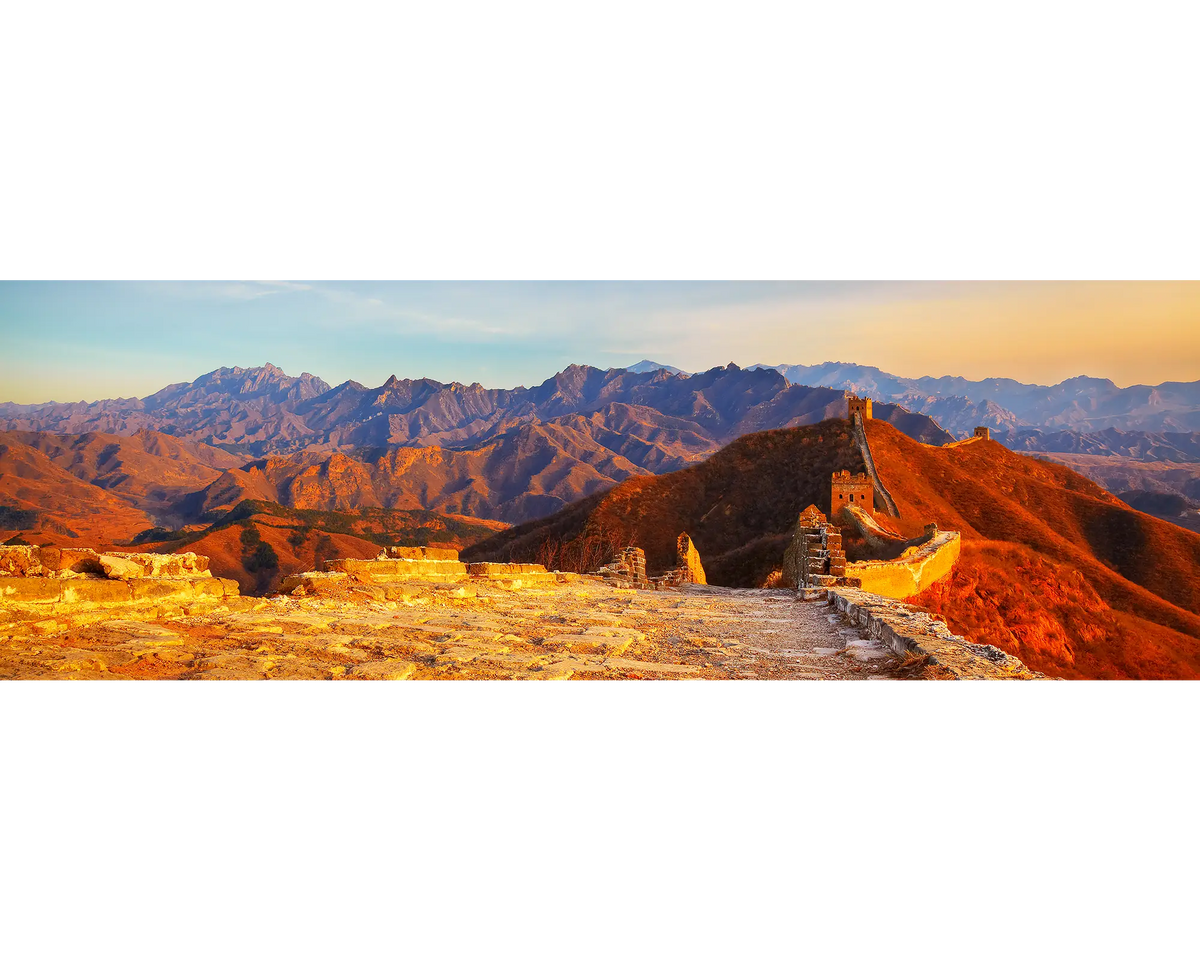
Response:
column 264, row 557
column 12, row 518
column 323, row 550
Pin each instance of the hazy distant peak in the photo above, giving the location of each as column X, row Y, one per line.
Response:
column 650, row 366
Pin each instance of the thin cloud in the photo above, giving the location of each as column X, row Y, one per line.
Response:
column 284, row 285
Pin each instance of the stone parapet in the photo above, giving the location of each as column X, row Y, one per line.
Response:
column 399, row 569
column 910, row 631
column 914, row 570
column 962, row 443
column 505, row 571
column 418, row 553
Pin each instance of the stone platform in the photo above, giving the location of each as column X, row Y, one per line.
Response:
column 51, row 587
column 445, row 568
column 399, row 569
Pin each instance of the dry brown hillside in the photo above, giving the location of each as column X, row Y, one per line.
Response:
column 43, row 503
column 739, row 507
column 1055, row 570
column 150, row 471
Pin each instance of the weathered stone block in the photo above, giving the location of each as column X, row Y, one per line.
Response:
column 70, row 559
column 29, row 589
column 167, row 564
column 20, row 561
column 314, row 583
column 165, row 588
column 95, row 591
column 505, row 570
column 421, row 553
column 399, row 569
column 118, row 568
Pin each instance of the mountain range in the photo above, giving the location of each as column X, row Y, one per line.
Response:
column 507, row 455
column 268, row 474
column 1082, row 404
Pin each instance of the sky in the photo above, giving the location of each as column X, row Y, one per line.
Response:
column 70, row 341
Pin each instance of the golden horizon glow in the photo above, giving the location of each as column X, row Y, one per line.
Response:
column 70, row 342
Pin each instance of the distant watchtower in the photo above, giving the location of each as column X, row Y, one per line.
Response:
column 858, row 405
column 851, row 490
column 983, row 433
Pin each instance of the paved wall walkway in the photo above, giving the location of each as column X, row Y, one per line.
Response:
column 864, row 445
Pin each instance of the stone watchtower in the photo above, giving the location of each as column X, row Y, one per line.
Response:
column 858, row 405
column 983, row 433
column 851, row 490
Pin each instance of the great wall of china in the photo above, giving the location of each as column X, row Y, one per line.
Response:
column 48, row 591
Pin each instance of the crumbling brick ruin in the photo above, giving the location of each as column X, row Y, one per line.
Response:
column 400, row 565
column 851, row 490
column 814, row 560
column 689, row 569
column 628, row 566
column 860, row 406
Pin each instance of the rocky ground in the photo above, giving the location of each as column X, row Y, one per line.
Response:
column 581, row 629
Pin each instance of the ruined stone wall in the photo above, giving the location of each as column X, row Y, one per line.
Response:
column 917, row 568
column 689, row 568
column 629, row 566
column 864, row 446
column 399, row 568
column 418, row 553
column 814, row 559
column 910, row 631
column 56, row 586
column 981, row 433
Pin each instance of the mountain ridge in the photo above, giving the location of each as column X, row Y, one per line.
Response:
column 1084, row 403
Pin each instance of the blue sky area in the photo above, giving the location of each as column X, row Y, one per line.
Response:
column 85, row 341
